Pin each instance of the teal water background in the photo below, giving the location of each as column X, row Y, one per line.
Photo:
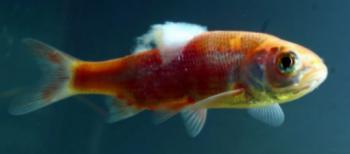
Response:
column 97, row 30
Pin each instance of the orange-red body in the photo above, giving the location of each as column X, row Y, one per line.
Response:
column 189, row 70
column 207, row 65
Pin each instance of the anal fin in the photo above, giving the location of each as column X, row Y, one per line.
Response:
column 119, row 110
column 162, row 116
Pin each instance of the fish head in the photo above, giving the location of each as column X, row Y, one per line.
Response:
column 284, row 71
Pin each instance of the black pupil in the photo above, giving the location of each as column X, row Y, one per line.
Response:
column 286, row 62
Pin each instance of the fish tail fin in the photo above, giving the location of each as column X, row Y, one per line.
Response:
column 57, row 69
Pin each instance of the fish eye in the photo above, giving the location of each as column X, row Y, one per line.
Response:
column 286, row 62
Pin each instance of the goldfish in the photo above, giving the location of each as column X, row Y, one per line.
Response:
column 183, row 68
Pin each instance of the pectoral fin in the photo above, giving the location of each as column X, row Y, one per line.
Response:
column 272, row 115
column 226, row 99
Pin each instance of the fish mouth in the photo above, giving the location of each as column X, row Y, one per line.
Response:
column 308, row 80
column 312, row 79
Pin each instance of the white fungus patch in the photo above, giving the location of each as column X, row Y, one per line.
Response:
column 169, row 38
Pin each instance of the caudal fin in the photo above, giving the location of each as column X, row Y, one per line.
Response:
column 55, row 85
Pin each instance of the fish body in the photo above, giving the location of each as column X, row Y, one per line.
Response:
column 144, row 80
column 189, row 70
